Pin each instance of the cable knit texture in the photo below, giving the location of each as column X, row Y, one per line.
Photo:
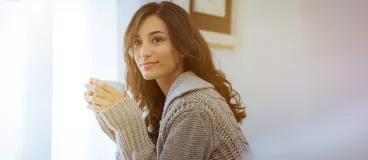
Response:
column 196, row 123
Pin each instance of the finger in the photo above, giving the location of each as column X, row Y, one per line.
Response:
column 96, row 90
column 88, row 93
column 93, row 99
column 92, row 106
column 96, row 100
column 103, row 85
column 89, row 86
column 86, row 99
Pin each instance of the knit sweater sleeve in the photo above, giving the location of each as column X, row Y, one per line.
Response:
column 190, row 135
column 105, row 128
column 130, row 132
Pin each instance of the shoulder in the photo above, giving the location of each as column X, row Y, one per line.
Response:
column 203, row 102
column 202, row 99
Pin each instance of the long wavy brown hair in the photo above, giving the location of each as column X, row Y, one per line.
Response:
column 187, row 39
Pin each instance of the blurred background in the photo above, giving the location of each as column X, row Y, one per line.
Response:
column 301, row 68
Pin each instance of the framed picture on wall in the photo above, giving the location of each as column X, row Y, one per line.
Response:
column 215, row 19
column 211, row 15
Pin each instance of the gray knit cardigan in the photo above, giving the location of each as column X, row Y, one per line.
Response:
column 196, row 123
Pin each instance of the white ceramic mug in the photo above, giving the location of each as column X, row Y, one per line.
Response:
column 117, row 85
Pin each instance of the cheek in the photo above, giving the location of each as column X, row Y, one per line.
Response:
column 136, row 59
column 165, row 57
column 170, row 60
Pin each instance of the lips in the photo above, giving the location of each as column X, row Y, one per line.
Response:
column 149, row 63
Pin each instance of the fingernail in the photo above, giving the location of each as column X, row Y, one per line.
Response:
column 93, row 80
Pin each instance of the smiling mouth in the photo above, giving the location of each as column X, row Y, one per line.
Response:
column 148, row 64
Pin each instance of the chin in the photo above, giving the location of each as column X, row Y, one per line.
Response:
column 149, row 75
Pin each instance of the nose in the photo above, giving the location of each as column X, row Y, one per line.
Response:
column 145, row 51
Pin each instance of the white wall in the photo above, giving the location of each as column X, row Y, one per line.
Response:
column 124, row 13
column 302, row 72
column 87, row 43
column 26, row 78
column 84, row 45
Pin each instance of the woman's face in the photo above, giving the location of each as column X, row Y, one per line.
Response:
column 153, row 52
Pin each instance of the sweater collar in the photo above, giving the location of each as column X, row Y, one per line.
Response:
column 185, row 83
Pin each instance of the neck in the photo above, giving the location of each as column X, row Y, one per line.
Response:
column 166, row 82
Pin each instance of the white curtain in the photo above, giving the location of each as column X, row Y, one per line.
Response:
column 48, row 50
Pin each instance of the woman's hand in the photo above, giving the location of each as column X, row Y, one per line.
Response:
column 100, row 95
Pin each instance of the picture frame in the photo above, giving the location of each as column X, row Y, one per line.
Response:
column 217, row 26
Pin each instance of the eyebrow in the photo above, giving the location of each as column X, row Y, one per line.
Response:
column 149, row 34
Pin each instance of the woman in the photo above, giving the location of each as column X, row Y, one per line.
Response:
column 186, row 108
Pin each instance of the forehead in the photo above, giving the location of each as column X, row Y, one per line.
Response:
column 150, row 24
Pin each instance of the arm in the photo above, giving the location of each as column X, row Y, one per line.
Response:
column 131, row 135
column 190, row 136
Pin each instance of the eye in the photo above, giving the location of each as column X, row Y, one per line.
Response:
column 157, row 39
column 137, row 42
